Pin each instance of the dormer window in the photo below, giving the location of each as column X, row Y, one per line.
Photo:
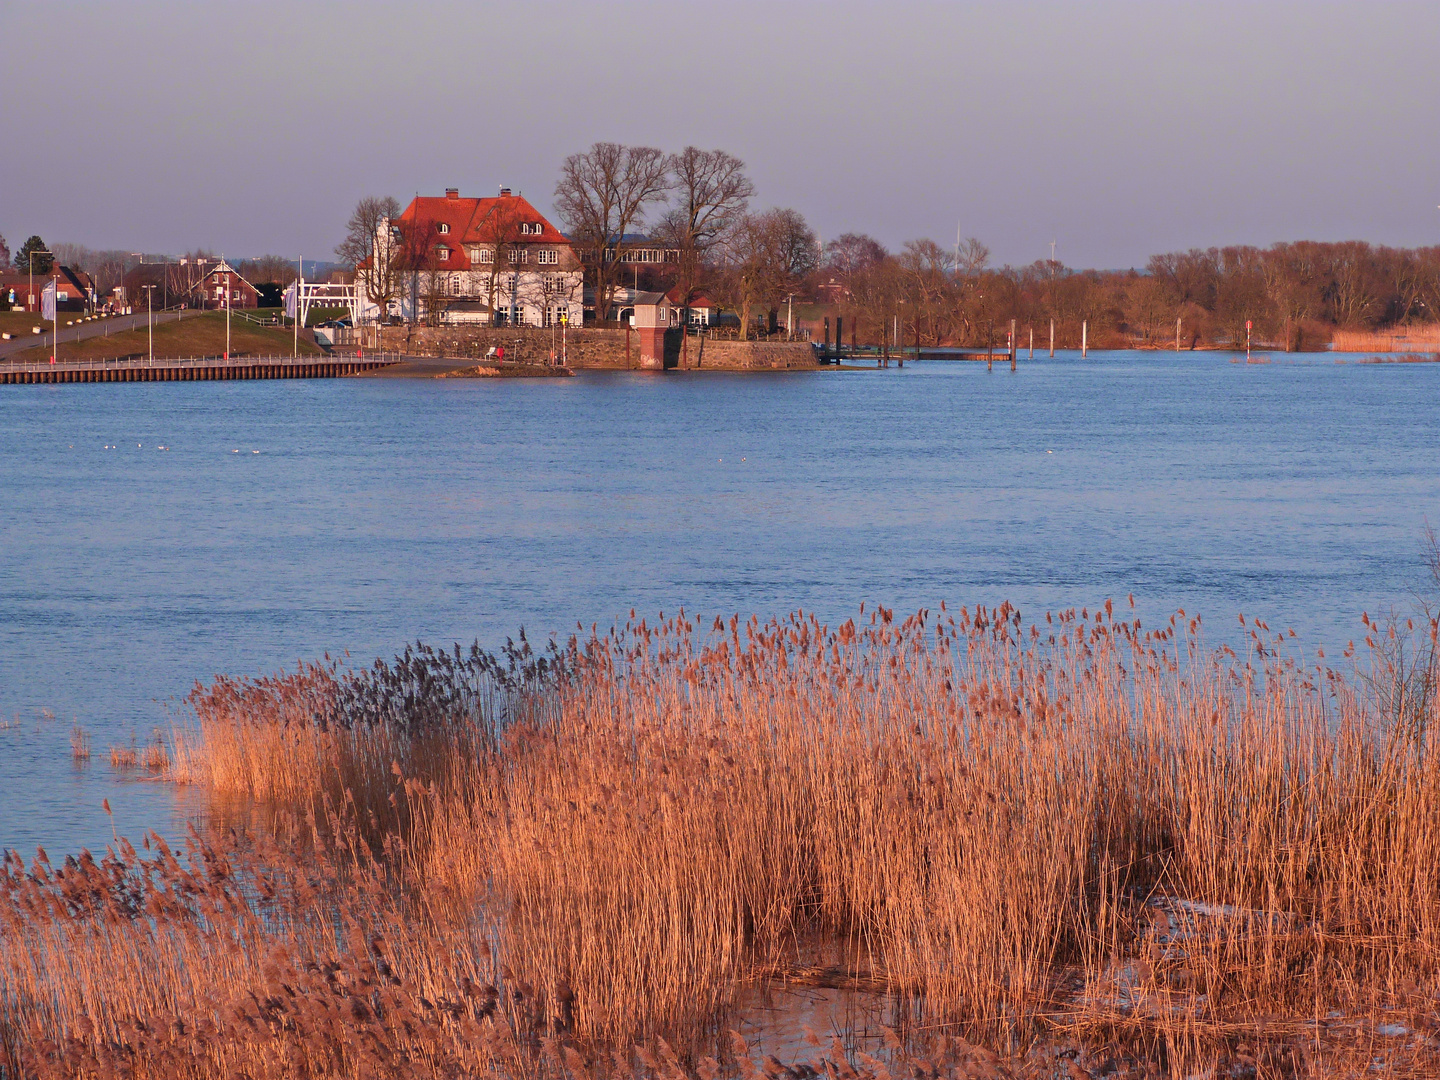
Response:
column 531, row 228
column 443, row 254
column 442, row 228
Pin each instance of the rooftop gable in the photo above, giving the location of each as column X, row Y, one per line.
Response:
column 501, row 219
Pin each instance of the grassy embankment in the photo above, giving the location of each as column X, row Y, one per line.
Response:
column 1081, row 836
column 198, row 334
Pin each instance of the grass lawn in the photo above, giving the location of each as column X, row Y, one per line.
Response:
column 197, row 335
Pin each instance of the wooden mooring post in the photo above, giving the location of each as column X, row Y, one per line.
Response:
column 1012, row 344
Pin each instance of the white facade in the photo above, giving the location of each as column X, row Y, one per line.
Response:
column 490, row 261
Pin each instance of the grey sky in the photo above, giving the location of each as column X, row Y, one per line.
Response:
column 1116, row 129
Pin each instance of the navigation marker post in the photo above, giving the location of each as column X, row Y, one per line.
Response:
column 1247, row 341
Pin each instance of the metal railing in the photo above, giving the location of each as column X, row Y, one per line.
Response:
column 139, row 362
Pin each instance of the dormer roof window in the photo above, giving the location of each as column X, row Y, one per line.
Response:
column 443, row 254
column 443, row 228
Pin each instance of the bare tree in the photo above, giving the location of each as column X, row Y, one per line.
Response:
column 274, row 269
column 973, row 257
column 929, row 289
column 768, row 256
column 500, row 253
column 411, row 255
column 711, row 192
column 4, row 254
column 852, row 253
column 601, row 195
column 370, row 243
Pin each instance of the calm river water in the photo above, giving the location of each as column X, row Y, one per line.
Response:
column 284, row 519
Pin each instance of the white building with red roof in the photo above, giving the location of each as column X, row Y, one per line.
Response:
column 494, row 261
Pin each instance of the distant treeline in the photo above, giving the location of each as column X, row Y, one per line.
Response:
column 1295, row 295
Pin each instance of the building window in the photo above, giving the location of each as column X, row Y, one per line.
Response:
column 519, row 255
column 442, row 228
column 455, row 285
column 482, row 255
column 548, row 257
column 443, row 254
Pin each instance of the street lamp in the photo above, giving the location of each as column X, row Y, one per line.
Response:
column 227, row 280
column 150, row 317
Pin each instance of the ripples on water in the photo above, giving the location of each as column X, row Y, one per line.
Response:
column 285, row 519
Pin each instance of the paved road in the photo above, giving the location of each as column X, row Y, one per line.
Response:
column 87, row 330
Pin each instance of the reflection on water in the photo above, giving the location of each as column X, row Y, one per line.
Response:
column 794, row 1022
column 378, row 512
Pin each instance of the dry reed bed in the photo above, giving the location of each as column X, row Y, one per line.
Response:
column 1079, row 830
column 1419, row 338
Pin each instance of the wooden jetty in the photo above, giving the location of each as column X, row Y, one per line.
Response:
column 207, row 368
column 982, row 355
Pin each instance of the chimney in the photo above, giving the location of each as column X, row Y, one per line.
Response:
column 452, row 192
column 504, row 192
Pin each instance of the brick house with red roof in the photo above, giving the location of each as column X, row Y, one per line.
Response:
column 494, row 261
column 74, row 290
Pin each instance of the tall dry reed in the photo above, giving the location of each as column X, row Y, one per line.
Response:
column 979, row 807
column 1417, row 338
column 1080, row 829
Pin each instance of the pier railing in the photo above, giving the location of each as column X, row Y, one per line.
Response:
column 194, row 368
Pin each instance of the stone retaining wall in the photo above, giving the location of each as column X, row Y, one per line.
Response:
column 605, row 348
column 525, row 344
column 751, row 355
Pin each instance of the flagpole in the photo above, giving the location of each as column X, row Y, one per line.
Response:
column 299, row 270
column 55, row 318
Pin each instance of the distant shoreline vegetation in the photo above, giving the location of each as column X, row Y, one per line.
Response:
column 637, row 219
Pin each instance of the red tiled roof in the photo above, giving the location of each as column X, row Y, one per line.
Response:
column 698, row 300
column 478, row 221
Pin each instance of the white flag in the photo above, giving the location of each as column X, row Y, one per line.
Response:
column 47, row 302
column 290, row 300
